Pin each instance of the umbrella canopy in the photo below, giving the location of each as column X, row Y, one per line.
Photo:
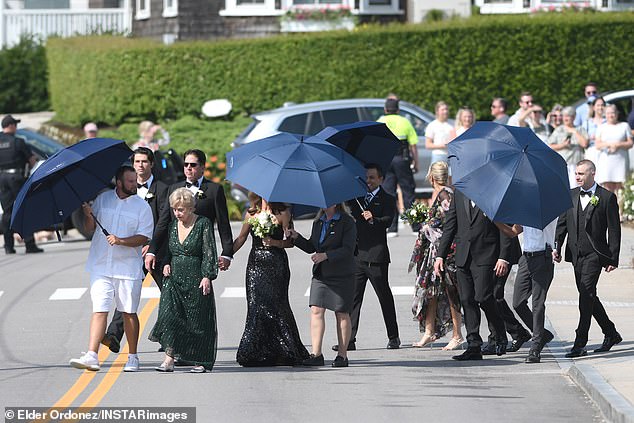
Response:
column 510, row 174
column 65, row 180
column 369, row 142
column 290, row 169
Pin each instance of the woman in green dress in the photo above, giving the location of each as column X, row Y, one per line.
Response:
column 186, row 323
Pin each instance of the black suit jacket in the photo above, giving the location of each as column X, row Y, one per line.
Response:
column 157, row 198
column 475, row 235
column 601, row 220
column 339, row 245
column 212, row 204
column 372, row 238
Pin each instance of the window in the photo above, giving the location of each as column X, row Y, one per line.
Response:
column 170, row 8
column 295, row 124
column 340, row 116
column 252, row 8
column 142, row 9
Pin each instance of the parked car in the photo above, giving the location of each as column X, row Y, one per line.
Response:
column 310, row 118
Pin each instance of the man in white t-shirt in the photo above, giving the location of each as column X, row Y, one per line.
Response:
column 125, row 225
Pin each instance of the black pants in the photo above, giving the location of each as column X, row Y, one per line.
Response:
column 587, row 272
column 10, row 184
column 534, row 277
column 475, row 285
column 115, row 328
column 511, row 324
column 400, row 173
column 377, row 273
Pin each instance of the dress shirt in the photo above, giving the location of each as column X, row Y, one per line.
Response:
column 585, row 199
column 370, row 195
column 142, row 191
column 194, row 188
column 325, row 227
column 537, row 239
column 123, row 218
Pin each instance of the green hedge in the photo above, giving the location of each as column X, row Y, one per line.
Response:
column 111, row 80
column 24, row 77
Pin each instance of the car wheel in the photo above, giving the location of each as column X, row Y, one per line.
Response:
column 79, row 220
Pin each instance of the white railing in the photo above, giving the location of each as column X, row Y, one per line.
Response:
column 61, row 22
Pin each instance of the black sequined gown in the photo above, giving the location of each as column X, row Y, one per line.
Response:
column 270, row 335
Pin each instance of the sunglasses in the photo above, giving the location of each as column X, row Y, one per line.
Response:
column 591, row 92
column 192, row 165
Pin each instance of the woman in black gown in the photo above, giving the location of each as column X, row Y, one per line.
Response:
column 270, row 335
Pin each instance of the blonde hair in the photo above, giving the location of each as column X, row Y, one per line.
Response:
column 439, row 173
column 462, row 111
column 182, row 197
column 144, row 127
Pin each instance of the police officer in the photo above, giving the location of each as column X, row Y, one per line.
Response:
column 14, row 156
column 405, row 162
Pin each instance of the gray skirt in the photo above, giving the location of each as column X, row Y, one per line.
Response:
column 335, row 295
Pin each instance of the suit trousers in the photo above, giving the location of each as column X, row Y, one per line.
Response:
column 587, row 272
column 377, row 274
column 534, row 276
column 400, row 174
column 511, row 324
column 475, row 285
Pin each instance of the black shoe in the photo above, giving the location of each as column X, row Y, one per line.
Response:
column 161, row 349
column 546, row 338
column 338, row 362
column 351, row 347
column 33, row 249
column 576, row 352
column 500, row 348
column 394, row 344
column 9, row 250
column 609, row 342
column 534, row 356
column 314, row 360
column 516, row 344
column 489, row 349
column 112, row 343
column 469, row 354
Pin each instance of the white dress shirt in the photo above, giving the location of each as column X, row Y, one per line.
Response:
column 123, row 218
column 585, row 199
column 142, row 192
column 537, row 239
column 195, row 189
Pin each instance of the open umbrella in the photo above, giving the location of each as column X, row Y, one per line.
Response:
column 369, row 142
column 510, row 174
column 289, row 168
column 64, row 181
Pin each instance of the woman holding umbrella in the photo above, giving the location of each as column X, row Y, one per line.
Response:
column 332, row 242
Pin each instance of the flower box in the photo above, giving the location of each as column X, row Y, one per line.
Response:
column 310, row 25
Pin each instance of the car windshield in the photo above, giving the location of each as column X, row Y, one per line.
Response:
column 41, row 144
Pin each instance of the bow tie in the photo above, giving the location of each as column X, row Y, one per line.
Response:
column 141, row 185
column 588, row 193
column 190, row 184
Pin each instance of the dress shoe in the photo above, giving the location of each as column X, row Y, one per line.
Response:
column 469, row 354
column 33, row 249
column 609, row 342
column 9, row 250
column 488, row 349
column 394, row 343
column 425, row 340
column 534, row 356
column 112, row 343
column 500, row 348
column 516, row 344
column 576, row 352
column 351, row 347
column 314, row 360
column 546, row 338
column 340, row 362
column 165, row 368
column 198, row 369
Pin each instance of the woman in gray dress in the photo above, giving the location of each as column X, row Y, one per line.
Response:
column 332, row 243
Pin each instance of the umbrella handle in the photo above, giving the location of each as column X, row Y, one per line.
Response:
column 105, row 232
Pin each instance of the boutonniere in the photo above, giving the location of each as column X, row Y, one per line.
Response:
column 149, row 196
column 199, row 194
column 594, row 200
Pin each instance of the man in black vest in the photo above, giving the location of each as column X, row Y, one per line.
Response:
column 595, row 214
column 14, row 157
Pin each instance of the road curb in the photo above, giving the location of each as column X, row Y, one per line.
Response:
column 614, row 407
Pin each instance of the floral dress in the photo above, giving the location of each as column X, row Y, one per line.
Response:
column 428, row 285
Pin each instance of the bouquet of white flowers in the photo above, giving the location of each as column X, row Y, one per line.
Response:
column 263, row 224
column 418, row 213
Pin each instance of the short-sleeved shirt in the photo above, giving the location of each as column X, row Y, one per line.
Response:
column 14, row 153
column 400, row 127
column 439, row 132
column 574, row 153
column 123, row 218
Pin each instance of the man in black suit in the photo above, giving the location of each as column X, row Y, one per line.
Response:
column 373, row 214
column 594, row 214
column 210, row 202
column 155, row 193
column 482, row 252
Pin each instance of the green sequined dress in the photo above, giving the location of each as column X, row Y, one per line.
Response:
column 186, row 323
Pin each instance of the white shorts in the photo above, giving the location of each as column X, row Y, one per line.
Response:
column 126, row 294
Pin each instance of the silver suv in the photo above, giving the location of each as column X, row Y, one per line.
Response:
column 310, row 118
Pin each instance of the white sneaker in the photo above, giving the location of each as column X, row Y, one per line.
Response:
column 132, row 365
column 86, row 361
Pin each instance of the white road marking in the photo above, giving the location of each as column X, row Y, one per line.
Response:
column 307, row 293
column 1, row 292
column 67, row 294
column 234, row 292
column 402, row 290
column 150, row 292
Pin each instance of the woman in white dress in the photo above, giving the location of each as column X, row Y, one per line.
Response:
column 438, row 133
column 465, row 118
column 612, row 140
column 596, row 117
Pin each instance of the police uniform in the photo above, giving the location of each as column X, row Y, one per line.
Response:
column 14, row 156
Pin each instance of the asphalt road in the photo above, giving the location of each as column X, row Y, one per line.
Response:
column 44, row 316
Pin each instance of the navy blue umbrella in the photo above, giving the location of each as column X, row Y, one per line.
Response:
column 64, row 181
column 511, row 175
column 370, row 142
column 289, row 168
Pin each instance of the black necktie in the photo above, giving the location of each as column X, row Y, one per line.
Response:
column 582, row 193
column 368, row 199
column 138, row 185
column 190, row 184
